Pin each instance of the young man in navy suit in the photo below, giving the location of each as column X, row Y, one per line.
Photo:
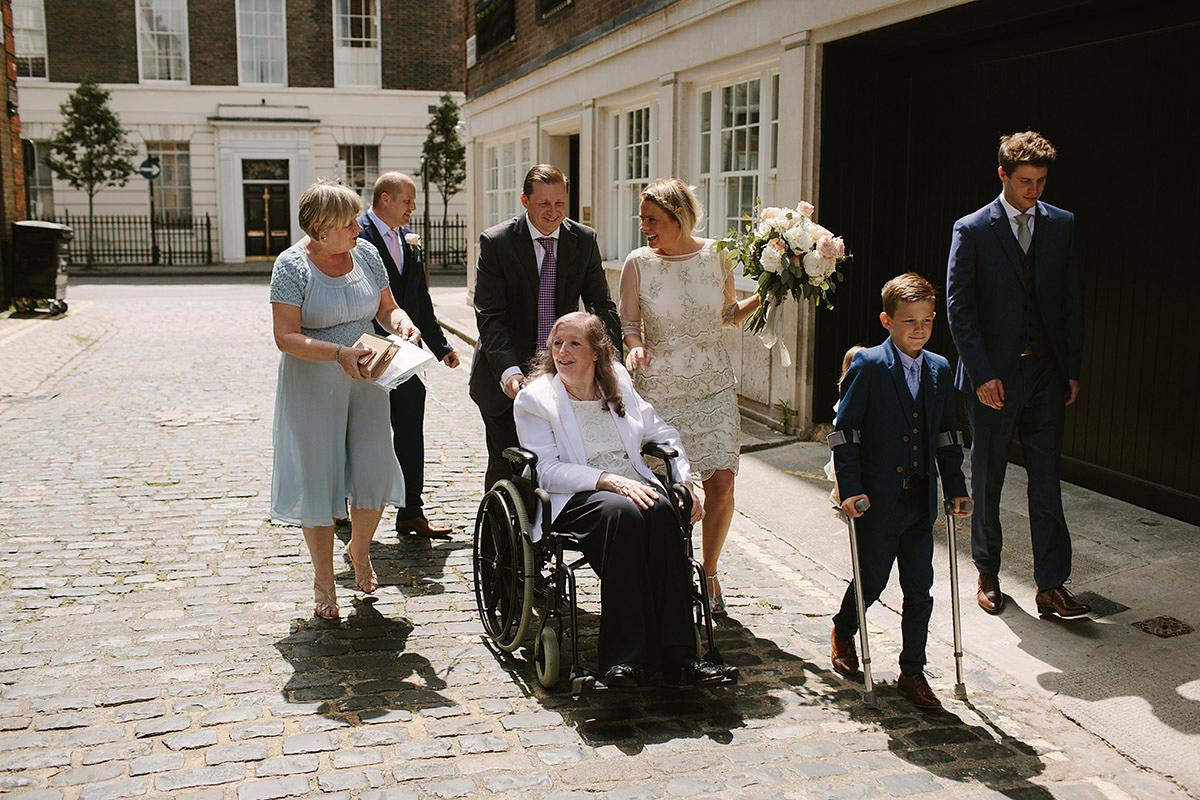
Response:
column 385, row 225
column 895, row 433
column 531, row 270
column 1014, row 297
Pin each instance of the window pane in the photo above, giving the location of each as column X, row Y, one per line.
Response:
column 173, row 187
column 261, row 41
column 162, row 39
column 29, row 38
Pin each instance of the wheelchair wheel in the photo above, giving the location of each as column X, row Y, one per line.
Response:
column 546, row 657
column 504, row 567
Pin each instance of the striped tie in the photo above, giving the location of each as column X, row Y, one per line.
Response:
column 546, row 280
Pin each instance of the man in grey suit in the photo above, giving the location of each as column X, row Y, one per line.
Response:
column 531, row 270
column 1015, row 301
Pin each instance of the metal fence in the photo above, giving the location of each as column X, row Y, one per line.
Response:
column 133, row 240
column 446, row 246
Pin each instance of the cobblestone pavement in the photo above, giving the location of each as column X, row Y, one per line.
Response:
column 156, row 635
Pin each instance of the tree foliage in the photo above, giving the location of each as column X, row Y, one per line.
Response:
column 91, row 150
column 445, row 154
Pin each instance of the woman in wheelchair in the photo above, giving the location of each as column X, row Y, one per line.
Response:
column 585, row 422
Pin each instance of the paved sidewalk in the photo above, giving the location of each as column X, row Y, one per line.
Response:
column 156, row 635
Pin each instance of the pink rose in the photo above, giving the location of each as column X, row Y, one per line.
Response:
column 770, row 213
column 830, row 247
column 805, row 208
column 777, row 244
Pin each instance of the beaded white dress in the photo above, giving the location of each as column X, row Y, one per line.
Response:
column 690, row 380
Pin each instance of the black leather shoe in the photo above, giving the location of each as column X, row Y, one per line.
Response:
column 623, row 676
column 699, row 672
column 1059, row 601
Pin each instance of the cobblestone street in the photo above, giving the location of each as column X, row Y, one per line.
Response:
column 157, row 636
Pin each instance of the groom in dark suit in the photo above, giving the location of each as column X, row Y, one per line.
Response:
column 531, row 270
column 1015, row 301
column 385, row 225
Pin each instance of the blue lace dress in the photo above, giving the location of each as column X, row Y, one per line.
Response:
column 332, row 434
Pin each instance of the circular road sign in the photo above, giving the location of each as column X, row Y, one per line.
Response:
column 150, row 168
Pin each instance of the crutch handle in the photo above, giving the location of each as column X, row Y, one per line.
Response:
column 968, row 506
column 862, row 505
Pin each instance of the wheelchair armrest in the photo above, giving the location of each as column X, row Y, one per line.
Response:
column 520, row 458
column 659, row 450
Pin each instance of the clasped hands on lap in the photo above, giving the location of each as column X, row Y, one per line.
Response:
column 643, row 495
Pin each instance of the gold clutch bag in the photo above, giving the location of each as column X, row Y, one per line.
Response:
column 384, row 351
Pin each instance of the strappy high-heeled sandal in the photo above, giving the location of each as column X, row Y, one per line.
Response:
column 716, row 602
column 325, row 602
column 364, row 574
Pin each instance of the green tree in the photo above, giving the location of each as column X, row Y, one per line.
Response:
column 91, row 151
column 445, row 154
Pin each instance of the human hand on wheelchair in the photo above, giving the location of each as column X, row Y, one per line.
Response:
column 642, row 495
column 697, row 504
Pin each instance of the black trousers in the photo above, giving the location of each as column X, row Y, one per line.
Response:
column 905, row 538
column 645, row 579
column 500, row 432
column 1034, row 407
column 408, row 437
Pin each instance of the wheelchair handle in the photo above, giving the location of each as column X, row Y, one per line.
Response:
column 520, row 457
column 862, row 505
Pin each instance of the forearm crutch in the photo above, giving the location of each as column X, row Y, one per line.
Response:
column 868, row 685
column 960, row 688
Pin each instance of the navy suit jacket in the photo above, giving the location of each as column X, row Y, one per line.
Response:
column 877, row 404
column 985, row 294
column 506, row 294
column 408, row 287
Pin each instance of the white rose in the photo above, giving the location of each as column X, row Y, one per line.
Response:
column 818, row 268
column 771, row 259
column 798, row 239
column 413, row 240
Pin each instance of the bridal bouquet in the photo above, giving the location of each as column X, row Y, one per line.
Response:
column 788, row 254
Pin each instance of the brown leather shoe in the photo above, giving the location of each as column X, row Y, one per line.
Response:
column 989, row 596
column 419, row 526
column 917, row 690
column 845, row 657
column 1059, row 601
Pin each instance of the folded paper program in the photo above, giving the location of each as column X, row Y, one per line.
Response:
column 397, row 359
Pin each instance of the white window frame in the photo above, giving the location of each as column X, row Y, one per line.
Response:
column 755, row 177
column 250, row 41
column 357, row 63
column 634, row 131
column 505, row 164
column 175, row 180
column 39, row 181
column 29, row 35
column 176, row 13
column 360, row 161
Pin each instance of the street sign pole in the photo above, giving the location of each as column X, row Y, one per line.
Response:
column 150, row 169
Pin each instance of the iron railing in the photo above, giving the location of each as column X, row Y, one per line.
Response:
column 132, row 240
column 446, row 245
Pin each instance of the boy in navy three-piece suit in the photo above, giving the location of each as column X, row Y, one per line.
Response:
column 895, row 432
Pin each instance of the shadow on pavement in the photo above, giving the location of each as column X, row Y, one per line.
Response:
column 357, row 668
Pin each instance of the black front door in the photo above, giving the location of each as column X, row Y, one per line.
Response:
column 266, row 206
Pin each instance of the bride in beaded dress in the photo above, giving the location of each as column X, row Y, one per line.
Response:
column 676, row 295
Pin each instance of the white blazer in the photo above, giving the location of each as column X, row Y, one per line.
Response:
column 546, row 425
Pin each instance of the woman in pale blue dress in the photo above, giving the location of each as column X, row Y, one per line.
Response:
column 333, row 443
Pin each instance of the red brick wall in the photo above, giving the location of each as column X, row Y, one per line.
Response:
column 535, row 38
column 423, row 45
column 12, row 165
column 212, row 42
column 96, row 39
column 310, row 42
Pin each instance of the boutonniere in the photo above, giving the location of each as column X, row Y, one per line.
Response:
column 413, row 241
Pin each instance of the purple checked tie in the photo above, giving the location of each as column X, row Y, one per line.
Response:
column 546, row 279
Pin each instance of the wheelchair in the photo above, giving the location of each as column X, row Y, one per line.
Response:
column 515, row 576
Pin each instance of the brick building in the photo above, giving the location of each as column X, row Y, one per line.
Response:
column 12, row 173
column 885, row 115
column 244, row 102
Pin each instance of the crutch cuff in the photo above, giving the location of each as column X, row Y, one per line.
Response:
column 948, row 438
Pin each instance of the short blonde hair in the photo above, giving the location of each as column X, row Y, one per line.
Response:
column 677, row 199
column 326, row 205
